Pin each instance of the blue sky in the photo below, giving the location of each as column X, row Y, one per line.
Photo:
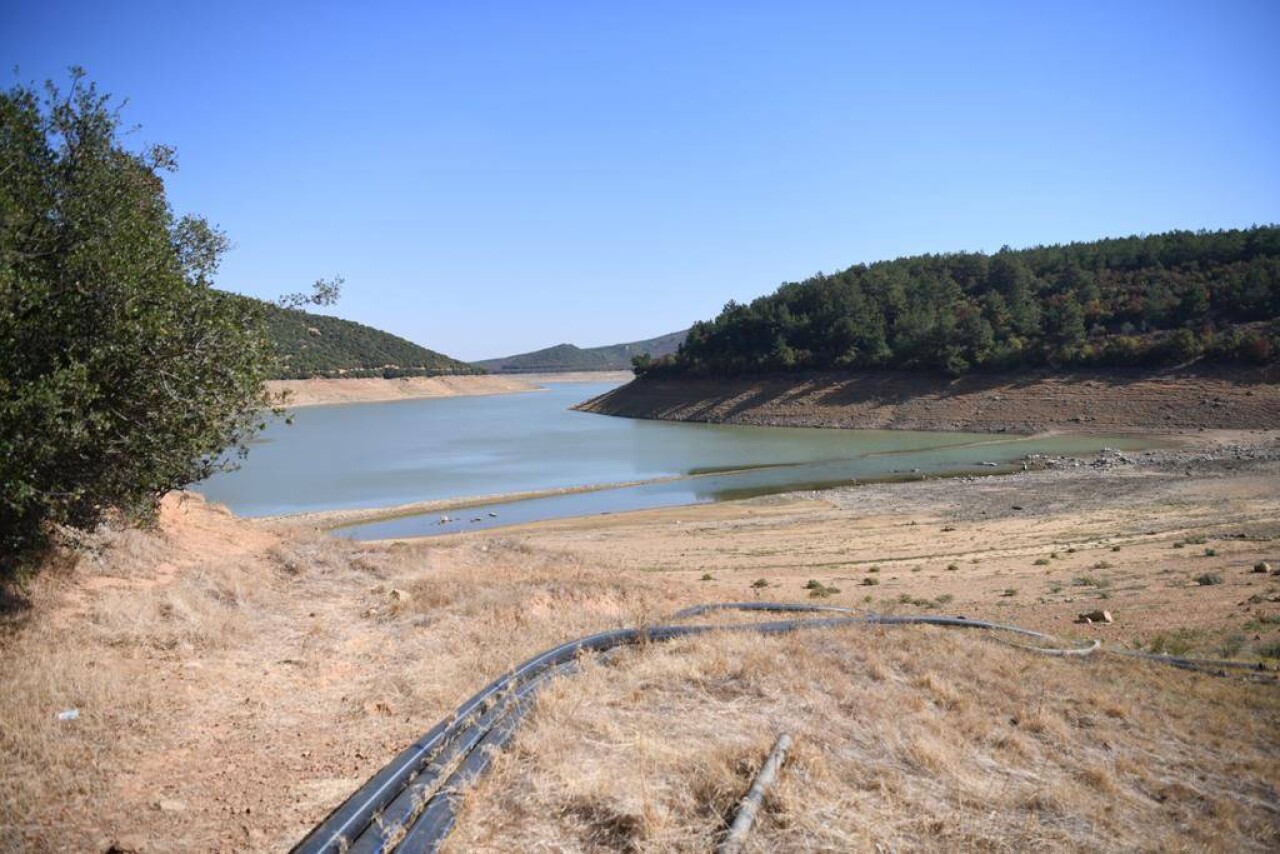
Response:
column 496, row 177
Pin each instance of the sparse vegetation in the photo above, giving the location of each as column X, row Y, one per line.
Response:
column 818, row 590
column 1208, row 578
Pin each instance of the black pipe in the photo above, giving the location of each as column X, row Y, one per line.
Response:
column 495, row 723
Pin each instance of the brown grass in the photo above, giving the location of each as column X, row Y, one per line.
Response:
column 905, row 739
column 238, row 680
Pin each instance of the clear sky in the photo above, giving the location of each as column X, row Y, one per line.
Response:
column 492, row 178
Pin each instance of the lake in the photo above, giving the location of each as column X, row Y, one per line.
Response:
column 387, row 454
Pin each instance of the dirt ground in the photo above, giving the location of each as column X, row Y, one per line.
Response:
column 323, row 391
column 1111, row 401
column 235, row 680
column 317, row 392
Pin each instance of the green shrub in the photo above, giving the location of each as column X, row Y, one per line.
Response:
column 123, row 373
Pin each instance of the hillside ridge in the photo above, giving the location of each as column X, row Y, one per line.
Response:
column 569, row 357
column 320, row 346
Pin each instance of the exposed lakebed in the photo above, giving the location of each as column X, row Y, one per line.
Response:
column 390, row 454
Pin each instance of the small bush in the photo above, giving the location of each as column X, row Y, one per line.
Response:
column 818, row 590
column 870, row 582
column 952, row 567
column 706, row 576
column 1208, row 578
column 1042, row 561
column 1231, row 646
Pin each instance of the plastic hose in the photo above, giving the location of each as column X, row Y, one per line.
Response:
column 406, row 808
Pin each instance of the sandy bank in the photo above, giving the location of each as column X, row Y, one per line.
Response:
column 1113, row 401
column 315, row 392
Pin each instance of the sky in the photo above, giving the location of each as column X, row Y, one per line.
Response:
column 492, row 178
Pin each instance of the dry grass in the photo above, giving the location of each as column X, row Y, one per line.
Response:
column 236, row 681
column 905, row 739
column 230, row 702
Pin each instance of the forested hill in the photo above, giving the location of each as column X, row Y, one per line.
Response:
column 1164, row 299
column 315, row 345
column 567, row 357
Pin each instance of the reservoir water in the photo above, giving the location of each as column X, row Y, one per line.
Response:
column 387, row 454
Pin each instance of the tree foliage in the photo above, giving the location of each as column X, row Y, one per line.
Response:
column 315, row 345
column 123, row 374
column 1153, row 300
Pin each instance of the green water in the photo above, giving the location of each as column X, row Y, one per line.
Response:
column 385, row 454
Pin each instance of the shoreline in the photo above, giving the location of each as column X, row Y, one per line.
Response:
column 1164, row 450
column 336, row 391
column 201, row 646
column 1115, row 401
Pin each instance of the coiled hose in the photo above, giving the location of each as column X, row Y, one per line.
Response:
column 411, row 804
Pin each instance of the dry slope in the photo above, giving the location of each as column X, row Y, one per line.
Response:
column 1113, row 401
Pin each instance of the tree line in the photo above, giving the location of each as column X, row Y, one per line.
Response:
column 1156, row 300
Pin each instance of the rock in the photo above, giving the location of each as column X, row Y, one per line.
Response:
column 1095, row 617
column 170, row 805
column 1262, row 566
column 131, row 843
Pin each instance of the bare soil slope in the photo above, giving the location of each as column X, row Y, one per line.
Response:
column 1110, row 401
column 314, row 392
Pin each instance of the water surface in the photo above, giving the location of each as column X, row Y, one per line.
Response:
column 386, row 454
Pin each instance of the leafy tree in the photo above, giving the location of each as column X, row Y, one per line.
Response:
column 1162, row 299
column 123, row 374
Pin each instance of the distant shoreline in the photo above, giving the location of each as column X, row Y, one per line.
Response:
column 332, row 391
column 1081, row 401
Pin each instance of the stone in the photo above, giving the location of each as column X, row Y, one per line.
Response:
column 1262, row 566
column 170, row 805
column 1095, row 617
column 130, row 843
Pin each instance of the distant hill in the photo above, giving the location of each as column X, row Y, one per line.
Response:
column 567, row 357
column 315, row 345
column 1162, row 299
